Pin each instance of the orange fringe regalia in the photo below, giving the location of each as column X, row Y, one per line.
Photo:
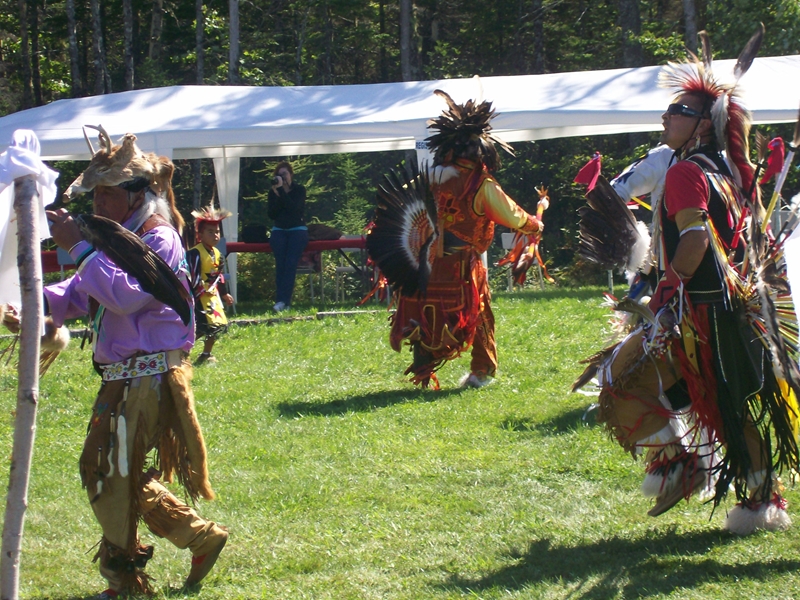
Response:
column 441, row 324
column 453, row 313
column 427, row 238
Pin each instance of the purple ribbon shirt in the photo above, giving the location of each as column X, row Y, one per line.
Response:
column 134, row 322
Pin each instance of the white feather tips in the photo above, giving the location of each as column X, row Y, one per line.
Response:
column 439, row 174
column 640, row 250
column 719, row 116
column 417, row 229
column 122, row 453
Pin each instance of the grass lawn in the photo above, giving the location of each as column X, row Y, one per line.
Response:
column 338, row 479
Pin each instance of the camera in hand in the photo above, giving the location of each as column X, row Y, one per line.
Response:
column 276, row 180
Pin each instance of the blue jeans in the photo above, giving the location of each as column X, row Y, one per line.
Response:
column 287, row 246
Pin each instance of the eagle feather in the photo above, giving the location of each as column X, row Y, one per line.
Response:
column 127, row 250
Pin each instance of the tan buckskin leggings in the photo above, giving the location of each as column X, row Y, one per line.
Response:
column 164, row 514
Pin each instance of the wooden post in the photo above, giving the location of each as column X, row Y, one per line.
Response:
column 26, row 199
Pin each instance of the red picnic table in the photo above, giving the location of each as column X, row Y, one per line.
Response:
column 316, row 247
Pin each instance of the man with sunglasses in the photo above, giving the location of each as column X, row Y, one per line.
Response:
column 701, row 358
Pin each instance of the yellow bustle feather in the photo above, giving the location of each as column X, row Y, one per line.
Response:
column 791, row 401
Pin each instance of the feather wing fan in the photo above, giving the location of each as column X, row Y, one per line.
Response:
column 137, row 259
column 609, row 233
column 401, row 240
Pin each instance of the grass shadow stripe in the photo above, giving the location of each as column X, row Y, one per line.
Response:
column 361, row 403
column 653, row 565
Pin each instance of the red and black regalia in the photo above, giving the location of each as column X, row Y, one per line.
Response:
column 707, row 386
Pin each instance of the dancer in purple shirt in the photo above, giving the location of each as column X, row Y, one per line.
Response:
column 143, row 427
column 139, row 322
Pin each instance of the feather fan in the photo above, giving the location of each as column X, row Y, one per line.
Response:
column 137, row 259
column 401, row 240
column 609, row 233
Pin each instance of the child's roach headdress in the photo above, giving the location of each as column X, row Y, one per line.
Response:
column 208, row 214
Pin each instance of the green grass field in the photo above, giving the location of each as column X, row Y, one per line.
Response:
column 338, row 479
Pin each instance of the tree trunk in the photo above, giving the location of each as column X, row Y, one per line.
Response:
column 327, row 76
column 405, row 40
column 690, row 24
column 630, row 23
column 127, row 19
column 384, row 65
column 36, row 73
column 74, row 62
column 27, row 93
column 301, row 40
column 538, row 37
column 406, row 70
column 517, row 57
column 233, row 51
column 199, row 37
column 421, row 55
column 98, row 52
column 26, row 200
column 156, row 26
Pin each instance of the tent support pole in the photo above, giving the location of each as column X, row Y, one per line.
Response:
column 226, row 170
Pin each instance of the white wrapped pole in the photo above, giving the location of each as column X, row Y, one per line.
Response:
column 26, row 199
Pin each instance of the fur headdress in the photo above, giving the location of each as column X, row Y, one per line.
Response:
column 208, row 214
column 721, row 101
column 123, row 164
column 463, row 132
column 116, row 164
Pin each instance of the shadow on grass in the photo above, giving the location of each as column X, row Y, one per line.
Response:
column 362, row 403
column 652, row 566
column 168, row 592
column 562, row 423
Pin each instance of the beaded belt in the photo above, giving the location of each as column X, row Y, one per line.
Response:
column 142, row 366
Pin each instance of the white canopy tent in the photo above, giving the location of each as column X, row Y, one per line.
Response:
column 226, row 123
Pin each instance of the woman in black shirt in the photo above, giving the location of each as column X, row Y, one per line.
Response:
column 285, row 206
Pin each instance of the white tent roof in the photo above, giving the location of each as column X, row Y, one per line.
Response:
column 223, row 121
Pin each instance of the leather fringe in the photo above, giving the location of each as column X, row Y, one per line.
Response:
column 129, row 566
column 186, row 448
column 167, row 514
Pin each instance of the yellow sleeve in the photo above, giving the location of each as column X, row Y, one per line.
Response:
column 498, row 206
column 690, row 219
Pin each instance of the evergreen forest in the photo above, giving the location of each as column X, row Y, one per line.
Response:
column 54, row 49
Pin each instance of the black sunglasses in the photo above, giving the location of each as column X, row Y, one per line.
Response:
column 683, row 110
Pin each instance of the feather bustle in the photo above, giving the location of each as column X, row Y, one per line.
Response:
column 401, row 239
